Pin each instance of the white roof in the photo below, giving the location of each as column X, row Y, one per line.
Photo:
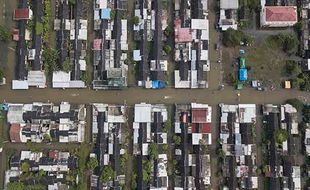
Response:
column 136, row 55
column 143, row 113
column 82, row 64
column 229, row 4
column 178, row 83
column 20, row 85
column 37, row 78
column 61, row 79
column 247, row 113
column 64, row 107
column 15, row 113
column 201, row 24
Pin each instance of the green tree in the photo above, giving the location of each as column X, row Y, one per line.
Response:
column 292, row 68
column 135, row 20
column 67, row 65
column 39, row 28
column 177, row 139
column 168, row 31
column 232, row 37
column 25, row 167
column 92, row 163
column 280, row 135
column 41, row 173
column 16, row 186
column 107, row 174
column 167, row 49
column 153, row 151
column 4, row 34
column 134, row 181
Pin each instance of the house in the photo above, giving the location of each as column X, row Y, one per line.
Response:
column 56, row 165
column 307, row 141
column 38, row 122
column 278, row 16
column 191, row 51
column 149, row 134
column 228, row 14
column 192, row 126
column 109, row 51
column 237, row 123
column 22, row 14
column 108, row 126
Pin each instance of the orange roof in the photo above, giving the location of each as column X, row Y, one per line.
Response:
column 14, row 132
column 281, row 13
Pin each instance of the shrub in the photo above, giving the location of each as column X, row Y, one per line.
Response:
column 280, row 135
column 135, row 20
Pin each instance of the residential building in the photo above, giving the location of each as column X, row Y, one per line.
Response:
column 53, row 167
column 108, row 131
column 29, row 72
column 228, row 14
column 282, row 170
column 193, row 135
column 237, row 139
column 191, row 51
column 305, row 12
column 43, row 122
column 307, row 141
column 148, row 34
column 110, row 45
column 277, row 16
column 150, row 146
column 71, row 25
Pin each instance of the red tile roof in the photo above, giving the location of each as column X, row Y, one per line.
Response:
column 199, row 115
column 203, row 128
column 181, row 34
column 281, row 13
column 21, row 14
column 15, row 132
column 97, row 44
column 53, row 155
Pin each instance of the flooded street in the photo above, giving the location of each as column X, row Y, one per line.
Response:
column 135, row 95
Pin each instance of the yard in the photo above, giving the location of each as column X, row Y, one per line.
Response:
column 265, row 59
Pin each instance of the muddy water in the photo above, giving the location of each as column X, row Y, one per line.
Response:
column 136, row 95
column 7, row 50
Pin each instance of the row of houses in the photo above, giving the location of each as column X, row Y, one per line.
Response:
column 48, row 169
column 44, row 122
column 149, row 140
column 238, row 146
column 191, row 39
column 110, row 45
column 271, row 15
column 192, row 125
column 151, row 123
column 283, row 167
column 70, row 25
column 28, row 35
column 148, row 34
column 108, row 126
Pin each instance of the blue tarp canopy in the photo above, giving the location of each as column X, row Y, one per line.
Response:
column 105, row 14
column 157, row 84
column 243, row 74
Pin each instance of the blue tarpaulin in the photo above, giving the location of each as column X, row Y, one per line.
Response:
column 158, row 84
column 243, row 74
column 105, row 14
